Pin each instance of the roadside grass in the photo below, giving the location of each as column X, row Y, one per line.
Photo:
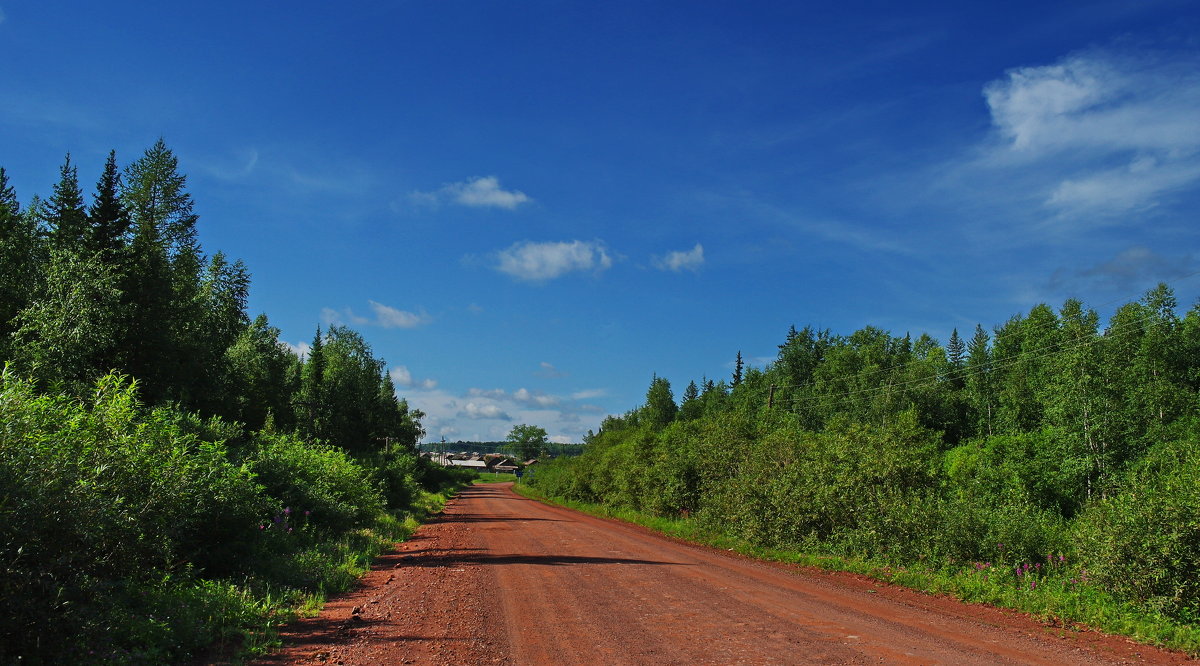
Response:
column 1054, row 591
column 254, row 610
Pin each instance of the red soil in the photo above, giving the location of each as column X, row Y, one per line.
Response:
column 500, row 579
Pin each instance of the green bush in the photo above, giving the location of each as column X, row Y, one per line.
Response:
column 317, row 483
column 398, row 471
column 1143, row 542
column 100, row 498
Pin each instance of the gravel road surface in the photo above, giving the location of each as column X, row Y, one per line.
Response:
column 500, row 579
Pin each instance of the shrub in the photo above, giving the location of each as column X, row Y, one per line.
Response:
column 98, row 499
column 337, row 492
column 398, row 472
column 1143, row 542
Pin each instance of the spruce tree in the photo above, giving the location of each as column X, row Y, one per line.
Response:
column 660, row 406
column 690, row 407
column 955, row 350
column 108, row 220
column 66, row 213
column 310, row 406
column 980, row 382
column 19, row 244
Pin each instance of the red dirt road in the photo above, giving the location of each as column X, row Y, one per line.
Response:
column 500, row 579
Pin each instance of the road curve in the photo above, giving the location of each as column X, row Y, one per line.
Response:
column 500, row 579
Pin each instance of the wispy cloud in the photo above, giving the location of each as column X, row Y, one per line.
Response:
column 385, row 317
column 1131, row 269
column 1111, row 132
column 588, row 394
column 480, row 192
column 332, row 317
column 235, row 167
column 389, row 317
column 548, row 371
column 538, row 262
column 680, row 260
column 494, row 394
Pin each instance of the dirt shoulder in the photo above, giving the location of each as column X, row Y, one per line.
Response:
column 502, row 579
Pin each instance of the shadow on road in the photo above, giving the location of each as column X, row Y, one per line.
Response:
column 468, row 518
column 455, row 558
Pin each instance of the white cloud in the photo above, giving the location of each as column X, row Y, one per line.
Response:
column 1117, row 190
column 489, row 413
column 534, row 398
column 537, row 262
column 401, row 376
column 679, row 260
column 385, row 317
column 588, row 394
column 300, row 349
column 1108, row 132
column 474, row 410
column 480, row 192
column 389, row 317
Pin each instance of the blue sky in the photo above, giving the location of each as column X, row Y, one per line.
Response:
column 529, row 208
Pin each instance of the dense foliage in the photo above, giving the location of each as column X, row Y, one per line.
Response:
column 171, row 474
column 1047, row 439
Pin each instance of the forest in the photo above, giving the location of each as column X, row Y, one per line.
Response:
column 1048, row 464
column 175, row 479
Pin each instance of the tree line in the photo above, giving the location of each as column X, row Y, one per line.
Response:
column 122, row 283
column 1048, row 434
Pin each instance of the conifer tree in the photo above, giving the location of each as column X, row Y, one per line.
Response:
column 19, row 266
column 155, row 195
column 737, row 370
column 660, row 406
column 955, row 350
column 690, row 408
column 980, row 381
column 311, row 398
column 66, row 213
column 163, row 282
column 108, row 220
